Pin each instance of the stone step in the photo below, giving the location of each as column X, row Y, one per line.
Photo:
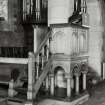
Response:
column 77, row 101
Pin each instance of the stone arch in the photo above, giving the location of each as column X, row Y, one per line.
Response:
column 57, row 64
column 57, row 33
column 75, row 68
column 60, row 81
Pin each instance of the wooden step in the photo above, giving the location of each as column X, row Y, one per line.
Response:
column 21, row 90
column 19, row 99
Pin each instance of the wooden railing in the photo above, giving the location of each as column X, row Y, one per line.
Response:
column 14, row 52
column 38, row 67
column 35, row 11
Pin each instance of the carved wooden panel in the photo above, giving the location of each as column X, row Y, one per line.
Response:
column 79, row 41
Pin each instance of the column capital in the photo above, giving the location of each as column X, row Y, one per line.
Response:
column 84, row 72
column 68, row 76
column 77, row 74
column 51, row 75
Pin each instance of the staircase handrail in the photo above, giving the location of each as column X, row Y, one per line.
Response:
column 42, row 77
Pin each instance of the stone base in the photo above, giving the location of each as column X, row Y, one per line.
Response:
column 19, row 103
column 77, row 101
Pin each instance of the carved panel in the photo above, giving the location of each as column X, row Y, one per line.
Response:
column 79, row 41
column 59, row 43
column 75, row 42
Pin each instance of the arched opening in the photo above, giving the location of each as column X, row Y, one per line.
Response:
column 60, row 82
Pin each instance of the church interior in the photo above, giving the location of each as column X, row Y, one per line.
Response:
column 52, row 52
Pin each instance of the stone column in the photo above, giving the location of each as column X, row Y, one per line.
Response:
column 77, row 75
column 72, row 83
column 47, row 83
column 52, row 84
column 68, row 76
column 84, row 79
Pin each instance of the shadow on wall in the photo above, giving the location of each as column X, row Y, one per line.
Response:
column 102, row 5
column 92, row 76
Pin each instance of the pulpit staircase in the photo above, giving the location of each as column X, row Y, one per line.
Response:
column 33, row 84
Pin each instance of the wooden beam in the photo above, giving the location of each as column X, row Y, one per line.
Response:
column 14, row 60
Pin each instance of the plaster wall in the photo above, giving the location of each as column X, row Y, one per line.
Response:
column 95, row 35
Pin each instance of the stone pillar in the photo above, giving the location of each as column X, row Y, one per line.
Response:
column 52, row 84
column 30, row 76
column 68, row 85
column 77, row 75
column 47, row 83
column 84, row 79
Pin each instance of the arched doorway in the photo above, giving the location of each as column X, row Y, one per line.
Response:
column 60, row 82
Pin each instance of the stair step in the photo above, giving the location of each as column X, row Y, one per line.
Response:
column 21, row 90
column 24, row 79
column 14, row 101
column 19, row 99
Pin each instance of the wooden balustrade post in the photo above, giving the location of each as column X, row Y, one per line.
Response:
column 30, row 76
column 42, row 59
column 35, row 38
column 37, row 67
column 48, row 45
column 38, row 9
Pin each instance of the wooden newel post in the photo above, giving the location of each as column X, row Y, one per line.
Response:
column 30, row 76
